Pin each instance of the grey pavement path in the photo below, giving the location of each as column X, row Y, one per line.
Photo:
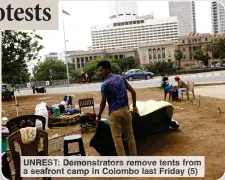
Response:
column 211, row 91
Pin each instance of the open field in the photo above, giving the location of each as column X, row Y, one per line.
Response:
column 201, row 134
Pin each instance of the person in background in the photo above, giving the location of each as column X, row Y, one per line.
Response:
column 114, row 91
column 168, row 88
column 86, row 76
column 12, row 91
column 182, row 87
column 33, row 87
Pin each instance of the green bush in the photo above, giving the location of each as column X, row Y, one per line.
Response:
column 91, row 67
column 159, row 68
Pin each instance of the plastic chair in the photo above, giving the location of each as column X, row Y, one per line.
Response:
column 72, row 139
column 5, row 166
column 30, row 149
column 191, row 86
column 165, row 95
column 24, row 121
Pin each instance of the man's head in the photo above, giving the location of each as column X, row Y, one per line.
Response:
column 177, row 78
column 165, row 79
column 104, row 68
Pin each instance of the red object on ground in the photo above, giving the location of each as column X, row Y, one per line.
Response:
column 80, row 80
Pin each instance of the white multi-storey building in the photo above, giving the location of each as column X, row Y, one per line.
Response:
column 185, row 12
column 130, row 34
column 121, row 11
column 217, row 18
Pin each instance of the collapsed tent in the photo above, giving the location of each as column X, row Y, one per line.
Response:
column 153, row 117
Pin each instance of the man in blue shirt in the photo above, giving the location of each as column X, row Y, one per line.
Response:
column 114, row 90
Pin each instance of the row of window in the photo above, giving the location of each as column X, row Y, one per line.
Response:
column 120, row 38
column 135, row 35
column 167, row 36
column 137, row 27
column 194, row 40
column 131, row 29
column 135, row 31
column 128, row 23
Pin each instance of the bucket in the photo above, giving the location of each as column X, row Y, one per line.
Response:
column 4, row 144
column 56, row 111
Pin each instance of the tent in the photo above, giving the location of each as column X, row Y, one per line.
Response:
column 153, row 117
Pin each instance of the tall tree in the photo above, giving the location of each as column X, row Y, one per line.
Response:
column 127, row 63
column 219, row 49
column 91, row 69
column 206, row 50
column 18, row 48
column 198, row 54
column 50, row 69
column 178, row 55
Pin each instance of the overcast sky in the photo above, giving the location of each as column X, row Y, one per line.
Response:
column 85, row 14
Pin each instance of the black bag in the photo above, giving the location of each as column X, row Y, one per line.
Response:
column 61, row 108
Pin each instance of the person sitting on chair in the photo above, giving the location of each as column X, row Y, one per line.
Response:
column 166, row 86
column 182, row 87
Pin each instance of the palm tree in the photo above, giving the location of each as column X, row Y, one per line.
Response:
column 178, row 55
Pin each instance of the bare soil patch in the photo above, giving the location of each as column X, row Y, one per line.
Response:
column 201, row 134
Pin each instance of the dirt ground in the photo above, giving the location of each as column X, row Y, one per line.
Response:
column 201, row 134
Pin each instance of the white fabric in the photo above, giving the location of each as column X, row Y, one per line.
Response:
column 147, row 107
column 63, row 103
column 180, row 90
column 42, row 111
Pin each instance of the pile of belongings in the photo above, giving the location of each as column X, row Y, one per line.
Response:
column 62, row 108
column 153, row 117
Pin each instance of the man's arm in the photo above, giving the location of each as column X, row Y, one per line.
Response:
column 102, row 105
column 133, row 93
column 179, row 84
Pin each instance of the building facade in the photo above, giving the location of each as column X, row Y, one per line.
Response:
column 131, row 33
column 185, row 13
column 79, row 59
column 187, row 44
column 57, row 55
column 53, row 55
column 217, row 17
column 157, row 51
column 122, row 11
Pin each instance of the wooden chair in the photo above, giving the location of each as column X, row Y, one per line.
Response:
column 87, row 120
column 27, row 149
column 24, row 121
column 88, row 102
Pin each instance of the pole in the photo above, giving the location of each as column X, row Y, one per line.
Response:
column 17, row 112
column 67, row 71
